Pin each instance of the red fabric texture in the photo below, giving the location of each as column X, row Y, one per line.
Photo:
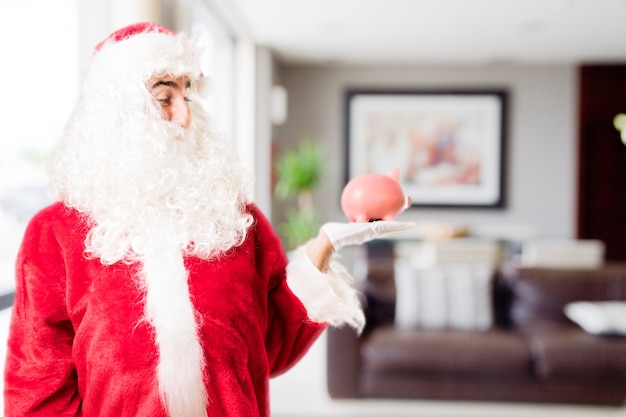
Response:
column 132, row 30
column 77, row 345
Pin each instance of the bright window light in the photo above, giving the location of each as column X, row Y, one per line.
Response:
column 39, row 70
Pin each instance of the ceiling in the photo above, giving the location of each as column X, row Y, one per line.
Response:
column 449, row 32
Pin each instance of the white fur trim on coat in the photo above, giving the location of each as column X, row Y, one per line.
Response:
column 328, row 297
column 170, row 311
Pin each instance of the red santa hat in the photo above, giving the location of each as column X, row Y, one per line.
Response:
column 132, row 30
column 126, row 59
column 137, row 52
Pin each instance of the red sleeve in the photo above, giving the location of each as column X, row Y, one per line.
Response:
column 290, row 333
column 40, row 379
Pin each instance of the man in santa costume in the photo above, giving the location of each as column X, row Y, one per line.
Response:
column 154, row 286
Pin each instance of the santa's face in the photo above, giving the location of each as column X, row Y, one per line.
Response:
column 172, row 95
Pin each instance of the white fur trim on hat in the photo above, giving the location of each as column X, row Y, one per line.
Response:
column 328, row 297
column 142, row 56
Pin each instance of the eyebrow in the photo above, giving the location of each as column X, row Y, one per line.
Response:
column 172, row 84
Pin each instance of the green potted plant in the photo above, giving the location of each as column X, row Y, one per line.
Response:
column 298, row 173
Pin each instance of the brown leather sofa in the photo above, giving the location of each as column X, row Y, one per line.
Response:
column 532, row 352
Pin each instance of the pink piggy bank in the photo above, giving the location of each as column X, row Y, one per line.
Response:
column 373, row 197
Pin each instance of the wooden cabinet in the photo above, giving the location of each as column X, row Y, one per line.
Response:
column 602, row 158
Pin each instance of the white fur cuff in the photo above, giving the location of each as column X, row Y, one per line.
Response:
column 328, row 297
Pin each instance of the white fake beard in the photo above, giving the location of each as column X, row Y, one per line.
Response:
column 145, row 182
column 153, row 192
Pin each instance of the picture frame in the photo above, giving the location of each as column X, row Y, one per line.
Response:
column 448, row 145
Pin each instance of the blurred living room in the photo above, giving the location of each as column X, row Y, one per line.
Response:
column 506, row 121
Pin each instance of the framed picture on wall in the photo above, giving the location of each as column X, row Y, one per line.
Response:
column 447, row 145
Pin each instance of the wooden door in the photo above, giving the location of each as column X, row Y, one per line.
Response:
column 602, row 158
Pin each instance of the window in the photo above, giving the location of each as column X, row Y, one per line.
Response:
column 40, row 74
column 218, row 61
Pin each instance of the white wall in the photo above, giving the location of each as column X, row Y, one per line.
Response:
column 541, row 147
column 98, row 18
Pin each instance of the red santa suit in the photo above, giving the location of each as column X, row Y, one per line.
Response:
column 78, row 346
column 133, row 338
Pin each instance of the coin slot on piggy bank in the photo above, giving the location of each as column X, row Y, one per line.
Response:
column 373, row 197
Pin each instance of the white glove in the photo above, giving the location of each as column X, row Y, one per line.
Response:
column 357, row 233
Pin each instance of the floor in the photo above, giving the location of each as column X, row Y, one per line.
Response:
column 301, row 393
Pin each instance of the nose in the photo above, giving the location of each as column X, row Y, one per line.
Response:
column 180, row 113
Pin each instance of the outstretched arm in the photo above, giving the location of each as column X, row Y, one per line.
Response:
column 334, row 236
column 326, row 288
column 320, row 250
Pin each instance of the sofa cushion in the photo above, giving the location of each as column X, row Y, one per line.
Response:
column 446, row 351
column 454, row 296
column 540, row 294
column 573, row 353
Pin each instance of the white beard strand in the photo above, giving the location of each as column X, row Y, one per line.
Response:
column 150, row 176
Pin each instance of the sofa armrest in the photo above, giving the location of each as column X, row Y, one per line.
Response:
column 375, row 282
column 343, row 362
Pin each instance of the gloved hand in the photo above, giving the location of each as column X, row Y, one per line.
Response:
column 357, row 233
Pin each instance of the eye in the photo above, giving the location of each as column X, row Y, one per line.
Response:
column 165, row 101
column 187, row 99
